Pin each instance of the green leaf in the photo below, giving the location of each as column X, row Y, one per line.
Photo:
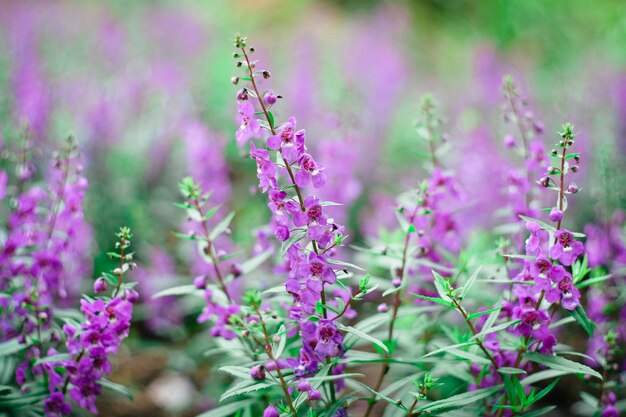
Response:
column 270, row 117
column 346, row 264
column 282, row 332
column 296, row 236
column 221, row 226
column 10, row 347
column 185, row 236
column 228, row 410
column 111, row 278
column 180, row 290
column 20, row 399
column 435, row 300
column 365, row 336
column 470, row 282
column 561, row 364
column 253, row 263
column 482, row 313
column 448, row 347
column 119, row 388
column 244, row 387
column 460, row 400
column 211, row 212
column 54, row 358
column 539, row 412
column 511, row 371
column 544, row 226
column 581, row 317
column 593, row 281
column 382, row 396
column 545, row 391
column 441, row 285
column 404, row 223
column 497, row 328
column 237, row 371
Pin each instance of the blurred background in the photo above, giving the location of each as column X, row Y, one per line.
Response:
column 145, row 88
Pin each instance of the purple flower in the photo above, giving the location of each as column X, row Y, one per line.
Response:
column 566, row 249
column 537, row 237
column 266, row 170
column 55, row 405
column 249, row 126
column 329, row 339
column 310, row 171
column 317, row 272
column 565, row 292
column 534, row 323
column 610, row 411
column 288, row 141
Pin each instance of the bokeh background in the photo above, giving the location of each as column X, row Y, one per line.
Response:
column 145, row 88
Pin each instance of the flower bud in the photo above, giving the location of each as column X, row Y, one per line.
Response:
column 257, row 372
column 314, row 395
column 242, row 94
column 573, row 188
column 555, row 215
column 574, row 169
column 235, row 270
column 545, row 181
column 396, row 282
column 131, row 295
column 200, row 282
column 270, row 98
column 382, row 308
column 100, row 285
column 271, row 365
column 234, row 80
column 509, row 142
column 303, row 385
column 266, row 74
column 271, row 411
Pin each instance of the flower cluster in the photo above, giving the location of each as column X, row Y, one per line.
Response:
column 106, row 324
column 528, row 145
column 43, row 250
column 308, row 234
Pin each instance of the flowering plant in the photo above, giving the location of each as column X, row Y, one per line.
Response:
column 52, row 355
column 431, row 328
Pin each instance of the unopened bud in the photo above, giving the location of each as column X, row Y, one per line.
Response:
column 234, row 80
column 266, row 74
column 573, row 188
column 242, row 94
